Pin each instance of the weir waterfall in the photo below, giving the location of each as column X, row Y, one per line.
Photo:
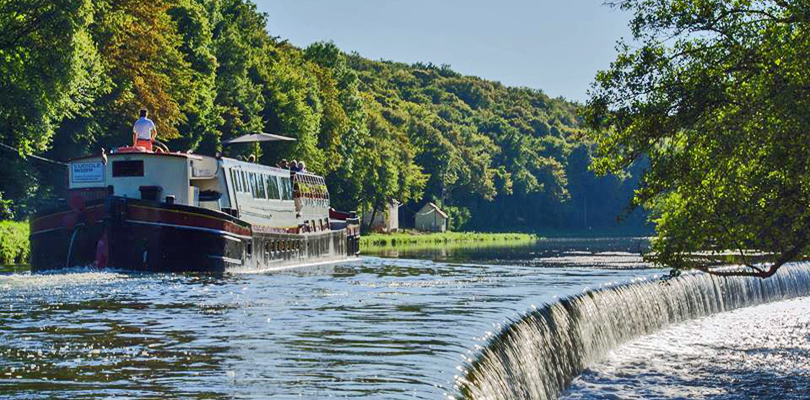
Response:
column 537, row 356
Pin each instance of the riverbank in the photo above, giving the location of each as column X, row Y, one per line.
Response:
column 14, row 247
column 412, row 238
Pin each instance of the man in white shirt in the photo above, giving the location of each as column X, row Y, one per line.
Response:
column 144, row 131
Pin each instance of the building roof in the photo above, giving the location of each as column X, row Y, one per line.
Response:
column 433, row 208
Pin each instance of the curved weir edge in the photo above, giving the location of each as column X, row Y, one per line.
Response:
column 537, row 356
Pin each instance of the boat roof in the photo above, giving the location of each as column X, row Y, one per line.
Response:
column 142, row 153
column 230, row 162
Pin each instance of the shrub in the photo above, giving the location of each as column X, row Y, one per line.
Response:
column 14, row 242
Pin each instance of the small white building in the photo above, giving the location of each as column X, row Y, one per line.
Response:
column 431, row 218
column 385, row 220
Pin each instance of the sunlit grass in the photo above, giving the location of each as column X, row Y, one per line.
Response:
column 413, row 239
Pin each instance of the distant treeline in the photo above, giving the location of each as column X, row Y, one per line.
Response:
column 73, row 74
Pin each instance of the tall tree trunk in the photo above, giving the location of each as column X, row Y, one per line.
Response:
column 371, row 220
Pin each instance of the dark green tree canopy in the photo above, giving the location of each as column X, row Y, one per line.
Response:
column 73, row 74
column 715, row 96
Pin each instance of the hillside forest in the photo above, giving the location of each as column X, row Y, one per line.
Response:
column 74, row 73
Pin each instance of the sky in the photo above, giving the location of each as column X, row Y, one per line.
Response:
column 553, row 45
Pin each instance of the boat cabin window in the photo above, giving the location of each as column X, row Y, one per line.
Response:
column 272, row 188
column 262, row 186
column 286, row 186
column 253, row 190
column 127, row 168
column 262, row 193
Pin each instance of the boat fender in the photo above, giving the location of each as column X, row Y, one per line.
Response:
column 102, row 251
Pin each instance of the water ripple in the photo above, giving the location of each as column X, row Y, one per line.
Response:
column 374, row 328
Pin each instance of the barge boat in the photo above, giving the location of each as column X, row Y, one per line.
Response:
column 140, row 210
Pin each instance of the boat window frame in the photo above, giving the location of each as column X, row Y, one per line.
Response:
column 243, row 176
column 234, row 181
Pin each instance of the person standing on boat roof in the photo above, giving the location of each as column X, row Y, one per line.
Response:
column 144, row 131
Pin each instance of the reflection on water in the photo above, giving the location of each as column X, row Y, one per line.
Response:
column 13, row 268
column 372, row 328
column 600, row 252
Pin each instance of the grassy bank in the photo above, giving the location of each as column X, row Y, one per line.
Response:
column 13, row 242
column 410, row 238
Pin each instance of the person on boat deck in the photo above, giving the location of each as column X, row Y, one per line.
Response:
column 302, row 167
column 294, row 165
column 144, row 131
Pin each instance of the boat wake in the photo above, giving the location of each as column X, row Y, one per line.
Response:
column 66, row 276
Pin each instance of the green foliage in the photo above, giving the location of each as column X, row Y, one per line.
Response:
column 14, row 247
column 46, row 62
column 5, row 208
column 48, row 72
column 502, row 153
column 460, row 218
column 207, row 70
column 714, row 95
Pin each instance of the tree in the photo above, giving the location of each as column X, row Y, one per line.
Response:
column 141, row 48
column 240, row 48
column 715, row 95
column 46, row 67
column 48, row 71
column 73, row 74
column 387, row 167
column 202, row 117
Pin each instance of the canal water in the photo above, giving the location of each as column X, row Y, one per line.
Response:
column 374, row 328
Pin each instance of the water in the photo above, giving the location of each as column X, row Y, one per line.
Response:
column 374, row 328
column 760, row 352
column 606, row 253
column 537, row 356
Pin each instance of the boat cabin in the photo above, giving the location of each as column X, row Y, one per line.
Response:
column 269, row 198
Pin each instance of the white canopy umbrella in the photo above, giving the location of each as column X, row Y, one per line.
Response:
column 258, row 137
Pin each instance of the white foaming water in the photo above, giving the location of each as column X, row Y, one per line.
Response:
column 759, row 352
column 538, row 355
column 60, row 278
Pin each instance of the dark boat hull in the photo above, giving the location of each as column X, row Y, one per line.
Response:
column 148, row 236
